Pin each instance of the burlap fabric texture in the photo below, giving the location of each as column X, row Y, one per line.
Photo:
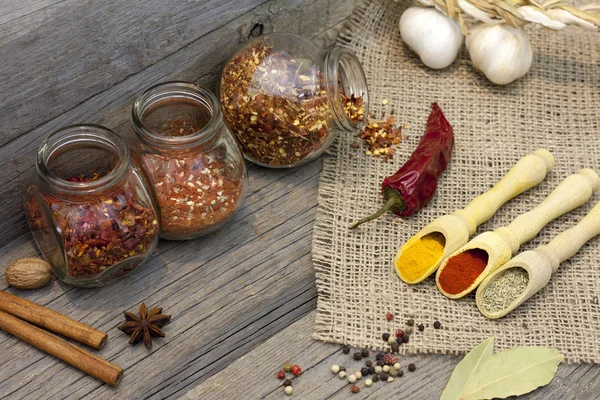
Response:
column 556, row 106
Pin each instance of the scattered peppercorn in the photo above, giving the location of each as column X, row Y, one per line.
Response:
column 369, row 383
column 364, row 371
column 352, row 378
column 399, row 332
column 355, row 389
column 335, row 368
column 412, row 367
column 405, row 339
column 400, row 340
column 346, row 349
column 287, row 382
column 408, row 330
column 296, row 370
column 385, row 337
column 421, row 327
column 389, row 316
column 378, row 369
column 437, row 324
column 368, row 363
column 358, row 356
column 379, row 356
column 371, row 370
column 375, row 378
column 391, row 340
column 281, row 375
column 383, row 376
column 365, row 353
column 395, row 347
column 400, row 372
column 393, row 372
column 380, row 363
column 410, row 313
column 410, row 322
column 342, row 374
column 397, row 366
column 386, row 368
column 358, row 374
column 342, row 368
column 287, row 367
column 289, row 390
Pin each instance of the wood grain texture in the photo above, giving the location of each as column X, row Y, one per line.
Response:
column 317, row 382
column 67, row 62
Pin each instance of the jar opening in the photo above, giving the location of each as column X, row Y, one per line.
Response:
column 82, row 158
column 348, row 85
column 175, row 114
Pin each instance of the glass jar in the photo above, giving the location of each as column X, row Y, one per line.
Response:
column 190, row 158
column 286, row 99
column 88, row 208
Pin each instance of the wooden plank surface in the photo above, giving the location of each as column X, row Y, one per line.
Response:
column 253, row 375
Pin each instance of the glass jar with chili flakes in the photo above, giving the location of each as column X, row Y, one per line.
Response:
column 286, row 99
column 194, row 166
column 88, row 207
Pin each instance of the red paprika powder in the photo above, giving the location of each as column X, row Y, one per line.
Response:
column 462, row 270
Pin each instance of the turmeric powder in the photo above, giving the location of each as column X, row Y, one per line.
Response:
column 417, row 259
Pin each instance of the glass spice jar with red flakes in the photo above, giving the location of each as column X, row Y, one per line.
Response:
column 88, row 207
column 286, row 99
column 194, row 166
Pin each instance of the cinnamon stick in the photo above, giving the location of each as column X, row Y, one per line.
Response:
column 51, row 320
column 89, row 363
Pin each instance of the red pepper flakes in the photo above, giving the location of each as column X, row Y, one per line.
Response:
column 381, row 138
column 274, row 105
column 194, row 191
column 99, row 232
column 354, row 106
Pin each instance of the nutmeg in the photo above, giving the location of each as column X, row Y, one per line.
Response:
column 28, row 273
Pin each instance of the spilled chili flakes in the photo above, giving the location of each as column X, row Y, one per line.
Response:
column 354, row 106
column 381, row 138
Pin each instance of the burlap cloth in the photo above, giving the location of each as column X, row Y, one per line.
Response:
column 556, row 106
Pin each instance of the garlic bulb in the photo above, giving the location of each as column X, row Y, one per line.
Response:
column 501, row 52
column 435, row 37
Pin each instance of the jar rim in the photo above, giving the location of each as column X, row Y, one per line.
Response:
column 341, row 58
column 177, row 89
column 97, row 135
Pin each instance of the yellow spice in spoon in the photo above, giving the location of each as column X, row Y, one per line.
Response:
column 417, row 259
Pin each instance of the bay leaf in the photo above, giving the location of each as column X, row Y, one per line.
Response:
column 465, row 369
column 512, row 373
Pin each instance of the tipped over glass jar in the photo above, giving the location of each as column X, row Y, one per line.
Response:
column 286, row 99
column 190, row 158
column 88, row 208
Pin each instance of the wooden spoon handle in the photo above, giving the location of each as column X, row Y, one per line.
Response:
column 571, row 193
column 567, row 243
column 525, row 174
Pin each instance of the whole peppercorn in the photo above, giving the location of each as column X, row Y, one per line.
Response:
column 399, row 332
column 421, row 327
column 369, row 383
column 405, row 339
column 408, row 330
column 296, row 370
column 281, row 375
column 395, row 347
column 342, row 374
column 368, row 363
column 383, row 376
column 371, row 370
column 400, row 340
column 287, row 382
column 385, row 337
column 346, row 349
column 410, row 313
column 289, row 390
column 364, row 371
column 342, row 368
column 358, row 374
column 287, row 367
column 335, row 368
column 393, row 372
column 410, row 322
column 352, row 378
column 379, row 356
column 365, row 353
column 380, row 363
column 389, row 316
column 391, row 340
column 400, row 372
column 378, row 370
column 355, row 389
column 386, row 368
column 437, row 324
column 397, row 366
column 357, row 356
column 412, row 367
column 375, row 378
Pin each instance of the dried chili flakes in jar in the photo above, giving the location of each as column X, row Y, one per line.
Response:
column 91, row 227
column 280, row 95
column 189, row 156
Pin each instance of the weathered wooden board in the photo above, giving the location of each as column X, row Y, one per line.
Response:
column 70, row 62
column 253, row 375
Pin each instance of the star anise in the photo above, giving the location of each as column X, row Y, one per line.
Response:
column 145, row 326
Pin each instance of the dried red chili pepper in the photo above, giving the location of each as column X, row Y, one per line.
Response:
column 414, row 184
